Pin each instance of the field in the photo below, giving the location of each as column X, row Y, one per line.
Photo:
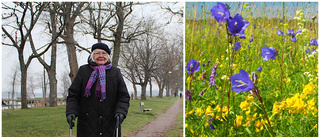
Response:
column 265, row 84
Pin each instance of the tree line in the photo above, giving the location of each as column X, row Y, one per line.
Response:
column 140, row 46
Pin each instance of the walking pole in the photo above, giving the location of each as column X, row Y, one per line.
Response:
column 70, row 129
column 117, row 126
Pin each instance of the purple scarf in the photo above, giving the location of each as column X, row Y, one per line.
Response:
column 99, row 72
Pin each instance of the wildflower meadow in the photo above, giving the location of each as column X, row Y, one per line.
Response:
column 251, row 69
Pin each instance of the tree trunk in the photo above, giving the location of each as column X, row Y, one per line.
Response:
column 160, row 88
column 117, row 34
column 143, row 91
column 24, row 104
column 53, row 89
column 150, row 89
column 168, row 91
column 52, row 70
column 69, row 39
column 135, row 92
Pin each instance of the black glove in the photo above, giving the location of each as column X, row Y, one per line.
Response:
column 120, row 117
column 70, row 118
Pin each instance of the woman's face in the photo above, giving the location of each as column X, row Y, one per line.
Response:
column 100, row 56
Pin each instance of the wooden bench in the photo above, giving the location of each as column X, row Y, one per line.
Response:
column 142, row 109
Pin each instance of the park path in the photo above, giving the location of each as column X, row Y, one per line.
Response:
column 162, row 124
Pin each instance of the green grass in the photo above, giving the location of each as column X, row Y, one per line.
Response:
column 177, row 130
column 51, row 121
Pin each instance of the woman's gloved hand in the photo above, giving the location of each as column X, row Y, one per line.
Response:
column 119, row 117
column 70, row 118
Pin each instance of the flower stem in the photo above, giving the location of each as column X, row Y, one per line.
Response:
column 265, row 114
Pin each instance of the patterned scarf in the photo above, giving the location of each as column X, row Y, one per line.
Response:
column 99, row 72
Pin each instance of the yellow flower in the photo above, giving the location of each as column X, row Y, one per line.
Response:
column 244, row 105
column 311, row 102
column 248, row 112
column 249, row 98
column 238, row 120
column 247, row 123
column 191, row 112
column 225, row 109
column 189, row 79
column 208, row 110
column 217, row 108
column 254, row 116
column 186, row 125
column 257, row 130
column 276, row 108
column 308, row 89
column 191, row 131
column 257, row 123
column 199, row 111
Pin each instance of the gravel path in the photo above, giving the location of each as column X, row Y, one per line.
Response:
column 162, row 124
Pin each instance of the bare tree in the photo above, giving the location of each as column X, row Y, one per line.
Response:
column 129, row 56
column 70, row 11
column 13, row 83
column 97, row 19
column 32, row 85
column 171, row 73
column 65, row 84
column 25, row 16
column 145, row 57
column 43, row 83
column 173, row 9
column 113, row 22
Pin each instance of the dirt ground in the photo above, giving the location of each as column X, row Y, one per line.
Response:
column 162, row 124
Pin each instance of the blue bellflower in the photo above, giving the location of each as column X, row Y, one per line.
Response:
column 293, row 39
column 291, row 33
column 268, row 53
column 279, row 33
column 243, row 36
column 237, row 25
column 311, row 52
column 237, row 46
column 251, row 40
column 313, row 42
column 192, row 66
column 259, row 69
column 241, row 82
column 220, row 12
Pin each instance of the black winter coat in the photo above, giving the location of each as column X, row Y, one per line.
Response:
column 96, row 118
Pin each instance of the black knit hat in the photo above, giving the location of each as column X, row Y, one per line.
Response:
column 101, row 46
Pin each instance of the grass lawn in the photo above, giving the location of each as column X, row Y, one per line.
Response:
column 51, row 121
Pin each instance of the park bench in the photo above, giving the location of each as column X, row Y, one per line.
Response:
column 142, row 109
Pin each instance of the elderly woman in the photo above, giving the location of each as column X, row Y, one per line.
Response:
column 97, row 96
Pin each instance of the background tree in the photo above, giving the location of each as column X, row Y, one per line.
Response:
column 55, row 33
column 70, row 11
column 24, row 17
column 13, row 82
column 129, row 55
column 32, row 86
column 65, row 84
column 144, row 54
